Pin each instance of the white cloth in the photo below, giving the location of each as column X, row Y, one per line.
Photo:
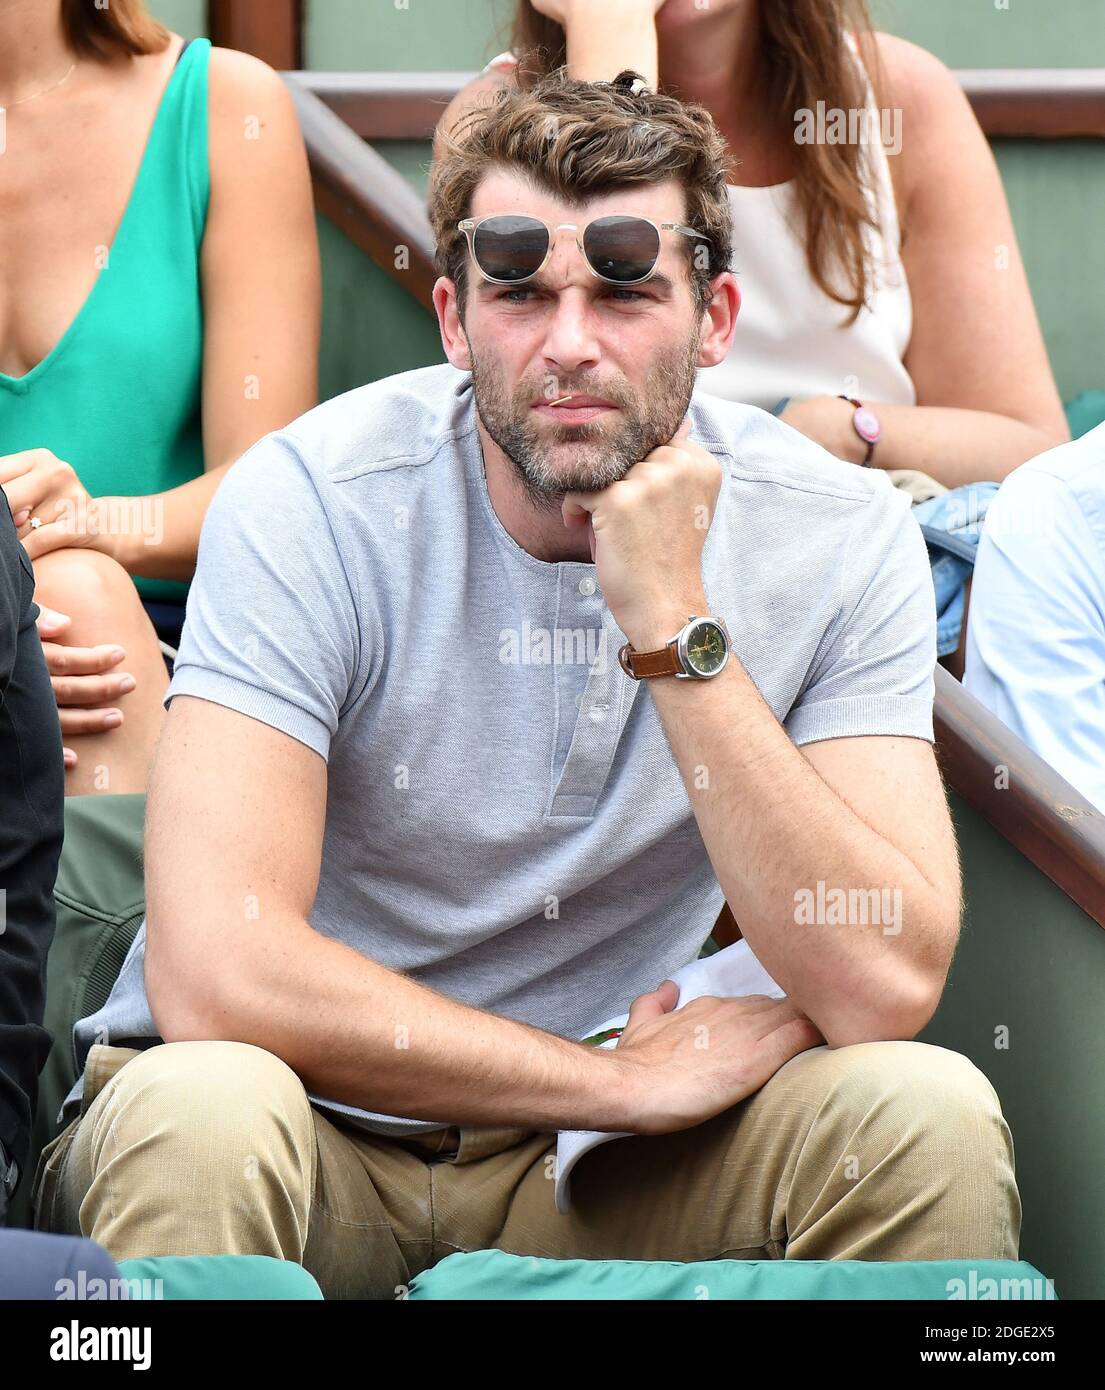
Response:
column 729, row 974
column 1036, row 631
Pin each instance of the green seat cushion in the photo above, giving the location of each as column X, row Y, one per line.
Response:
column 218, row 1277
column 489, row 1274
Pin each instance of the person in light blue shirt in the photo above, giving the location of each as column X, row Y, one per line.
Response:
column 1036, row 632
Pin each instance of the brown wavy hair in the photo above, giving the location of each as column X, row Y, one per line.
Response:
column 123, row 27
column 580, row 140
column 805, row 58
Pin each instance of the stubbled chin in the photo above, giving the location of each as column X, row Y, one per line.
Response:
column 573, row 429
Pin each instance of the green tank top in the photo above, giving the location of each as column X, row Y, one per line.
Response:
column 118, row 397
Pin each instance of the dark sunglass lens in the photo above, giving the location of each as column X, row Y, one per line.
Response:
column 621, row 248
column 510, row 248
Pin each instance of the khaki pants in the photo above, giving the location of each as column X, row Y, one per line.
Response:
column 881, row 1151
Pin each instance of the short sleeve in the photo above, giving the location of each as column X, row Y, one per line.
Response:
column 1036, row 633
column 272, row 628
column 873, row 672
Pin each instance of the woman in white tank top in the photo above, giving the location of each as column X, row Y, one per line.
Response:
column 946, row 351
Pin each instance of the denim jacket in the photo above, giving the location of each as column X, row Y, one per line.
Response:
column 951, row 525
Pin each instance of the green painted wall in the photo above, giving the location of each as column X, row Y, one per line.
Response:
column 405, row 35
column 187, row 17
column 1001, row 33
column 1023, row 1002
column 371, row 327
column 1056, row 191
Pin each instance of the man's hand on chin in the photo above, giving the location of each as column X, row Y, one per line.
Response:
column 648, row 531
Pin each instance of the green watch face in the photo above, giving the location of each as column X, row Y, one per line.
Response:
column 706, row 648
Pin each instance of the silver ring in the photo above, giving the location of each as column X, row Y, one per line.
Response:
column 36, row 522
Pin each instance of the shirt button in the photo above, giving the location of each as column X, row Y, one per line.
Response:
column 587, row 586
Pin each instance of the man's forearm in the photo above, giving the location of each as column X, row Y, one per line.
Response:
column 358, row 1033
column 773, row 827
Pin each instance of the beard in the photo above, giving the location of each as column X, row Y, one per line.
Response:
column 551, row 460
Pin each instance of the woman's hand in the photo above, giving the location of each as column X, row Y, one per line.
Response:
column 39, row 486
column 84, row 680
column 605, row 37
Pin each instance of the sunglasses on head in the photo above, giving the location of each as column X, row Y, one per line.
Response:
column 511, row 248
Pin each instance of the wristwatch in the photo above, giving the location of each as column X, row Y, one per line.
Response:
column 867, row 425
column 9, row 1172
column 698, row 651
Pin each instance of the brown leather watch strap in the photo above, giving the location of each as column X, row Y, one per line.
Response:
column 640, row 665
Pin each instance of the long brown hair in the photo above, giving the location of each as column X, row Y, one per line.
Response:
column 122, row 27
column 805, row 58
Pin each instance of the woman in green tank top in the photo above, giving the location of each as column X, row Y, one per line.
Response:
column 159, row 312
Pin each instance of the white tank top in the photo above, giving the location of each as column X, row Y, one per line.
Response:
column 791, row 339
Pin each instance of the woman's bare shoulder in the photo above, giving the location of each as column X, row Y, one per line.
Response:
column 236, row 75
column 247, row 100
column 940, row 135
column 915, row 79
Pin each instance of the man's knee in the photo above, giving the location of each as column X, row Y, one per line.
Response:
column 223, row 1110
column 899, row 1151
column 198, row 1148
column 927, row 1092
column 920, row 1073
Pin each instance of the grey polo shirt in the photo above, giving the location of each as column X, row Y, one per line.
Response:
column 505, row 821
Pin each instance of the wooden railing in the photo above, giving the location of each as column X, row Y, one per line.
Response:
column 1022, row 796
column 269, row 29
column 1031, row 103
column 1037, row 103
column 360, row 192
column 1039, row 813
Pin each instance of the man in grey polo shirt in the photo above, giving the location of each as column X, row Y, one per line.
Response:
column 415, row 829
